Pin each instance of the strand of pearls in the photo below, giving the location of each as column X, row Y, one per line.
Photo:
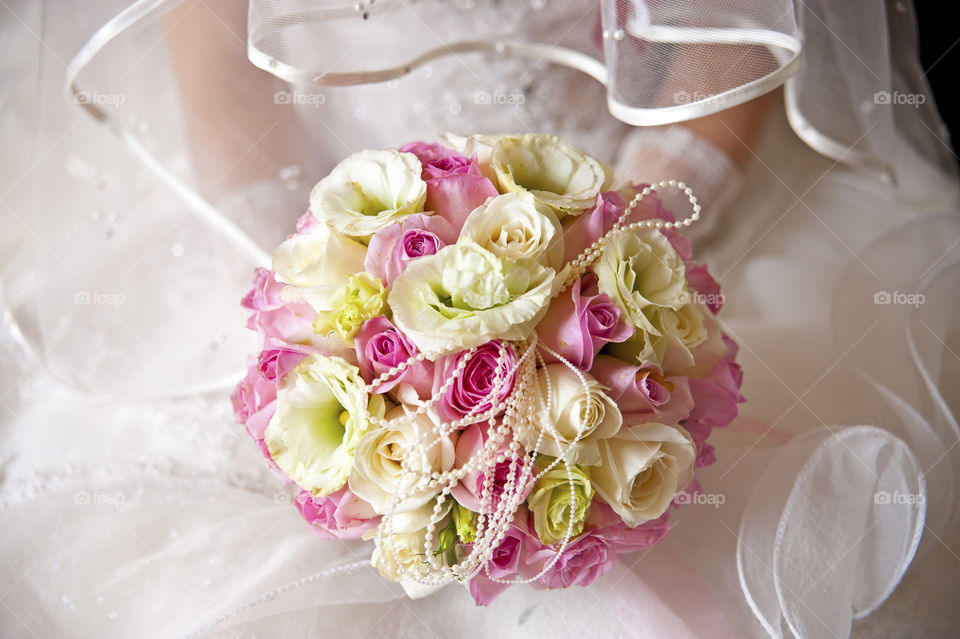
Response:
column 522, row 409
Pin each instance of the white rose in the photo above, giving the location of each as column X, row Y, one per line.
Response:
column 377, row 472
column 511, row 227
column 558, row 174
column 638, row 269
column 403, row 551
column 368, row 191
column 642, row 469
column 320, row 417
column 575, row 411
column 315, row 265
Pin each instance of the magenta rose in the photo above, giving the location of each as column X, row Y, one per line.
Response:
column 480, row 384
column 393, row 247
column 455, row 185
column 271, row 317
column 380, row 347
column 341, row 515
column 641, row 394
column 580, row 322
column 470, row 488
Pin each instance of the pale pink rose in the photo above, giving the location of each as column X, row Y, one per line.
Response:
column 583, row 561
column 252, row 394
column 582, row 230
column 455, row 185
column 393, row 247
column 642, row 395
column 468, row 491
column 380, row 347
column 580, row 321
column 275, row 363
column 604, row 522
column 716, row 395
column 340, row 515
column 507, row 562
column 271, row 317
column 472, row 392
column 700, row 280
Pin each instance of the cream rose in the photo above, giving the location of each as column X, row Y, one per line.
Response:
column 642, row 469
column 576, row 420
column 465, row 296
column 556, row 173
column 320, row 417
column 638, row 269
column 316, row 264
column 513, row 228
column 368, row 191
column 377, row 472
column 400, row 556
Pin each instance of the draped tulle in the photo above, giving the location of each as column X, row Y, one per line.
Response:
column 134, row 508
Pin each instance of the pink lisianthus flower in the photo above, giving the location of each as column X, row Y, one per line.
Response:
column 578, row 324
column 643, row 395
column 271, row 317
column 469, row 490
column 470, row 393
column 340, row 515
column 717, row 394
column 455, row 185
column 380, row 347
column 393, row 247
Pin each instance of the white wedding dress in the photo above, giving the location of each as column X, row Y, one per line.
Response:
column 132, row 505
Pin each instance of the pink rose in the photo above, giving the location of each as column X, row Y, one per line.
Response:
column 643, row 395
column 470, row 488
column 252, row 394
column 470, row 393
column 506, row 562
column 700, row 280
column 393, row 247
column 582, row 562
column 581, row 231
column 380, row 347
column 455, row 185
column 716, row 395
column 307, row 223
column 275, row 363
column 341, row 515
column 578, row 324
column 604, row 522
column 271, row 317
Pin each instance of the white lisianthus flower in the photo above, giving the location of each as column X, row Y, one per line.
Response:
column 316, row 264
column 368, row 191
column 687, row 341
column 642, row 469
column 575, row 411
column 556, row 173
column 638, row 269
column 377, row 472
column 404, row 550
column 320, row 417
column 465, row 296
column 513, row 228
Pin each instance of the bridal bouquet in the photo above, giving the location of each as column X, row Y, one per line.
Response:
column 483, row 358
